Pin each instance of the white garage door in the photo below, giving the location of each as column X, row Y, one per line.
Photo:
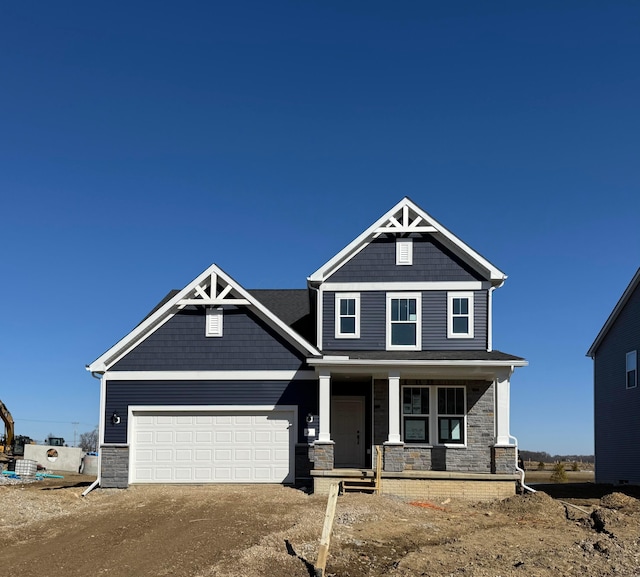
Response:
column 212, row 447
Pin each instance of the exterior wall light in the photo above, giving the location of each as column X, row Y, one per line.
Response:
column 115, row 418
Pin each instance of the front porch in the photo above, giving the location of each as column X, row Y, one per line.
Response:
column 443, row 432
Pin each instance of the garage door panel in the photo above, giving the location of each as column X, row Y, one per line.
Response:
column 204, row 447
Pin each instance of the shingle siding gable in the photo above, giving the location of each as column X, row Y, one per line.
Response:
column 180, row 344
column 432, row 262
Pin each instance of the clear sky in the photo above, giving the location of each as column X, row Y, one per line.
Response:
column 142, row 141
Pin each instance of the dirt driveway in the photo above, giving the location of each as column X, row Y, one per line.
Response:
column 228, row 530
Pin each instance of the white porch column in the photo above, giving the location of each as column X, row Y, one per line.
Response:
column 394, row 407
column 324, row 433
column 502, row 392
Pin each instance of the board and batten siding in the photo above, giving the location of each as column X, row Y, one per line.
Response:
column 434, row 323
column 617, row 409
column 120, row 395
column 432, row 262
column 180, row 344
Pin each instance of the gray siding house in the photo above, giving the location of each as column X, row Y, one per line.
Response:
column 388, row 348
column 616, row 393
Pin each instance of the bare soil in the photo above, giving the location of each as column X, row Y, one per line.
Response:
column 47, row 528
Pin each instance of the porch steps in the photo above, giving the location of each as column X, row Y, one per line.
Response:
column 368, row 482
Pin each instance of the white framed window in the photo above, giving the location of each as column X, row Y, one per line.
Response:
column 347, row 318
column 451, row 415
column 213, row 326
column 460, row 315
column 404, row 321
column 404, row 251
column 415, row 414
column 434, row 415
column 632, row 369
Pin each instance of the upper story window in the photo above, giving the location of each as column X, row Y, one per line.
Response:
column 213, row 326
column 404, row 251
column 404, row 314
column 460, row 315
column 632, row 369
column 347, row 320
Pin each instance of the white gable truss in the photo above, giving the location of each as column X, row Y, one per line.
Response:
column 211, row 288
column 405, row 218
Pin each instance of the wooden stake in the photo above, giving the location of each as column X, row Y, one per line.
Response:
column 325, row 540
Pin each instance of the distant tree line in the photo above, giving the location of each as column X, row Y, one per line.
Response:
column 544, row 457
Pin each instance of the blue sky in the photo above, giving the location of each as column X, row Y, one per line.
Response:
column 142, row 141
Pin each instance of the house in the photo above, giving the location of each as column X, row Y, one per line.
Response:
column 616, row 393
column 389, row 345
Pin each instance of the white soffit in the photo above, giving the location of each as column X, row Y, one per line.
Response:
column 211, row 288
column 404, row 218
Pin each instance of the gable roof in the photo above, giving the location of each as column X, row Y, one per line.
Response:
column 406, row 217
column 213, row 287
column 626, row 295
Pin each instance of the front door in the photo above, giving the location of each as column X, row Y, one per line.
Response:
column 347, row 431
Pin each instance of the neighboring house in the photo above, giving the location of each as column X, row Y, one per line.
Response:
column 389, row 345
column 616, row 393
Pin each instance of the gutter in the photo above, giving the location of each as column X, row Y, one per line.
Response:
column 521, row 471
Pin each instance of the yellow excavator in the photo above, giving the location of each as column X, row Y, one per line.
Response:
column 6, row 447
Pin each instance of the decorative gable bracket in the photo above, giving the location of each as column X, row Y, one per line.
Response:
column 404, row 221
column 212, row 291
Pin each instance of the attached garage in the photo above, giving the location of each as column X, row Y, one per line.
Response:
column 212, row 445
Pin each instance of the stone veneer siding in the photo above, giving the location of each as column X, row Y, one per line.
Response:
column 115, row 467
column 504, row 460
column 393, row 458
column 321, row 455
column 477, row 456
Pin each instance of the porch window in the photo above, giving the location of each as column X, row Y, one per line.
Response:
column 404, row 321
column 347, row 321
column 451, row 415
column 460, row 316
column 632, row 369
column 415, row 414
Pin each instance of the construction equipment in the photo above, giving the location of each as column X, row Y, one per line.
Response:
column 6, row 447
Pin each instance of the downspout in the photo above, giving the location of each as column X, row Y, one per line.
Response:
column 521, row 471
column 490, row 319
column 96, row 483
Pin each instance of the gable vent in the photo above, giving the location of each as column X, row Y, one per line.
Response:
column 214, row 322
column 404, row 251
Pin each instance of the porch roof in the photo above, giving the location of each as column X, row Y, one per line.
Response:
column 480, row 355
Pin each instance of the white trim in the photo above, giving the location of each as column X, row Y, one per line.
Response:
column 319, row 316
column 337, row 316
column 420, row 362
column 423, row 222
column 418, row 321
column 404, row 251
column 211, row 375
column 490, row 319
column 169, row 309
column 450, row 315
column 502, row 403
column 414, row 286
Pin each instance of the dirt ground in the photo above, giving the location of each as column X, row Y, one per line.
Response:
column 47, row 528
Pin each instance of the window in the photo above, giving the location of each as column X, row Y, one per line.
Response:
column 632, row 369
column 213, row 327
column 415, row 414
column 404, row 251
column 347, row 316
column 460, row 317
column 451, row 415
column 403, row 321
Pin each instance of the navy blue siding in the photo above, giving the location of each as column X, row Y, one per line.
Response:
column 434, row 323
column 181, row 345
column 121, row 394
column 432, row 262
column 617, row 424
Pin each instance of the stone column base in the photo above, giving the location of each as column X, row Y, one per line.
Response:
column 503, row 459
column 393, row 457
column 321, row 455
